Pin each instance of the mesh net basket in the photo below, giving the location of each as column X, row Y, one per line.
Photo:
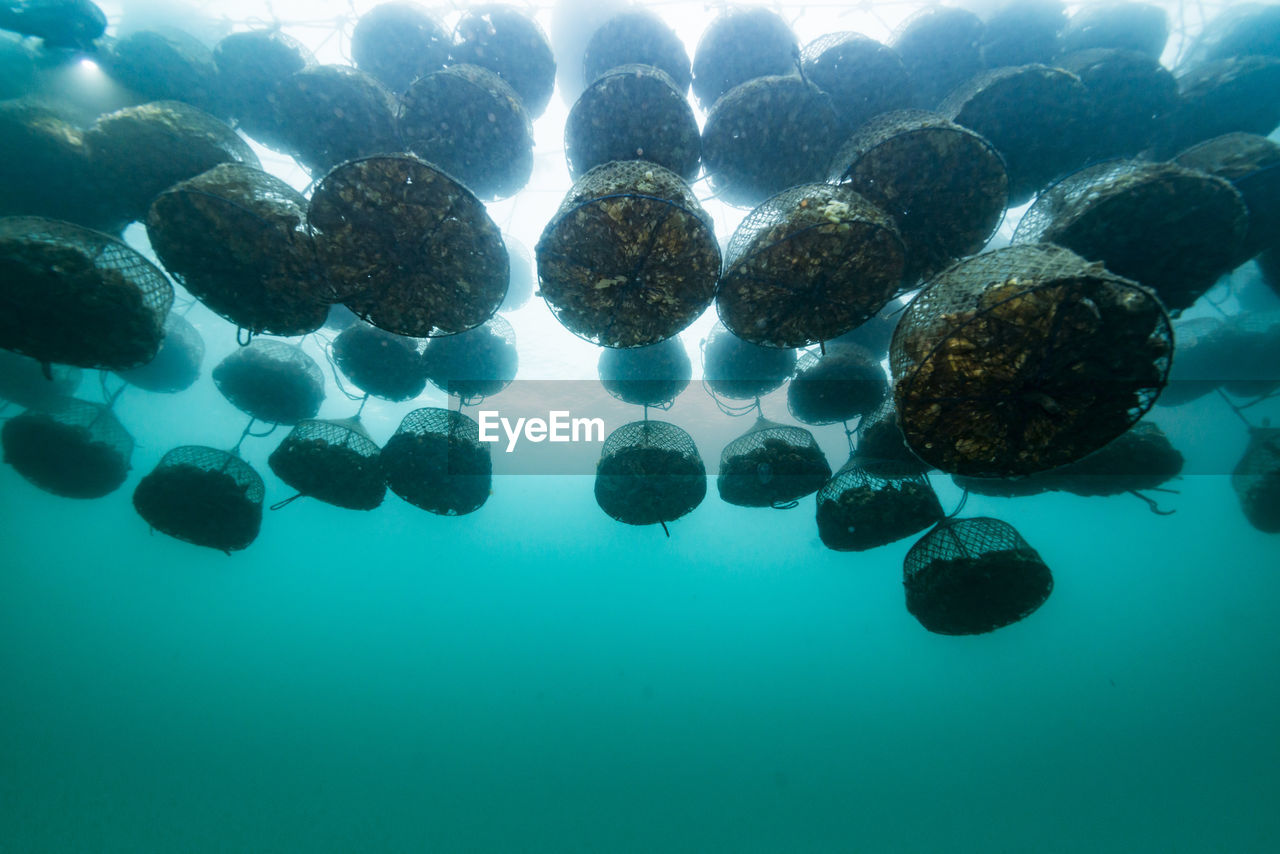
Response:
column 171, row 66
column 436, row 461
column 23, row 380
column 840, row 385
column 638, row 37
column 741, row 45
column 1036, row 116
column 510, row 43
column 467, row 121
column 1247, row 349
column 649, row 473
column 647, row 376
column 858, row 510
column 1022, row 33
column 1142, row 458
column 334, row 461
column 382, row 363
column 1173, row 229
column 941, row 47
column 1256, row 480
column 1237, row 94
column 1252, row 164
column 141, row 151
column 881, row 449
column 809, row 265
column 71, row 295
column 863, row 77
column 236, row 238
column 630, row 258
column 203, row 496
column 632, row 112
column 250, row 66
column 473, row 365
column 1133, row 96
column 1139, row 27
column 1025, row 359
column 273, row 381
column 69, row 447
column 771, row 465
column 1242, row 29
column 944, row 185
column 1199, row 365
column 328, row 114
column 411, row 249
column 971, row 576
column 741, row 370
column 767, row 135
column 398, row 43
column 176, row 366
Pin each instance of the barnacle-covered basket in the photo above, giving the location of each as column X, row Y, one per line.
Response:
column 80, row 297
column 1240, row 93
column 475, row 364
column 176, row 366
column 1036, row 116
column 863, row 77
column 809, row 265
column 328, row 114
column 844, row 383
column 972, row 576
column 23, row 380
column 944, row 185
column 436, row 461
column 334, row 461
column 236, row 238
column 69, row 447
column 1133, row 97
column 1256, row 480
column 771, row 465
column 766, row 135
column 251, row 65
column 508, row 42
column 941, row 47
column 409, row 248
column 1175, row 230
column 203, row 496
column 467, row 121
column 649, row 472
column 740, row 45
column 273, row 381
column 1252, row 164
column 858, row 510
column 632, row 112
column 741, row 370
column 630, row 257
column 646, row 376
column 381, row 363
column 399, row 42
column 1025, row 359
column 169, row 66
column 637, row 36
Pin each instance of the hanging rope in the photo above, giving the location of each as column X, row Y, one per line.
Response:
column 727, row 408
column 282, row 504
column 1238, row 410
column 360, row 411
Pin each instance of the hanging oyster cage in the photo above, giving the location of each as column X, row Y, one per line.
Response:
column 971, row 576
column 881, row 448
column 649, row 473
column 630, row 257
column 1025, row 359
column 23, row 380
column 1240, row 93
column 250, row 66
column 436, row 461
column 646, row 376
column 944, row 185
column 1133, row 97
column 475, row 364
column 202, row 496
column 328, row 114
column 840, row 385
column 176, row 366
column 407, row 247
column 941, row 47
column 1256, row 480
column 1252, row 164
column 858, row 510
column 741, row 370
column 166, row 66
column 79, row 297
column 808, row 265
column 399, row 42
column 334, row 461
column 236, row 238
column 863, row 77
column 1173, row 229
column 510, row 43
column 381, row 363
column 771, row 465
column 740, row 45
column 637, row 36
column 1128, row 26
column 272, row 381
column 69, row 447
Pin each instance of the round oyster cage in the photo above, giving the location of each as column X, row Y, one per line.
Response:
column 771, row 465
column 1256, row 480
column 466, row 120
column 863, row 77
column 881, row 449
column 411, row 250
column 858, row 510
column 334, row 461
column 842, row 384
column 436, row 461
column 1241, row 93
column 166, row 66
column 646, row 376
column 630, row 257
column 23, row 380
column 1252, row 164
column 475, row 364
column 649, row 473
column 381, row 363
column 1133, row 96
column 941, row 47
column 808, row 265
column 741, row 45
column 203, row 496
column 79, row 297
column 328, row 114
column 250, row 66
column 69, row 447
column 272, row 381
column 1025, row 359
column 971, row 576
column 638, row 36
column 1173, row 229
column 176, row 366
column 45, row 169
column 398, row 42
column 632, row 112
column 741, row 370
column 944, row 185
column 236, row 238
column 511, row 44
column 1129, row 26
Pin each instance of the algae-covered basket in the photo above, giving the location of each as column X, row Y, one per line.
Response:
column 176, row 366
column 436, row 461
column 771, row 465
column 649, row 473
column 381, row 363
column 637, row 36
column 858, row 510
column 203, row 496
column 272, row 381
column 630, row 258
column 334, row 461
column 741, row 45
column 1025, row 359
column 327, row 114
column 69, row 447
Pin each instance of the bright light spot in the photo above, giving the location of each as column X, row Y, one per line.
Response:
column 88, row 64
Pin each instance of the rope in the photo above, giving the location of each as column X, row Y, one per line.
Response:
column 280, row 505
